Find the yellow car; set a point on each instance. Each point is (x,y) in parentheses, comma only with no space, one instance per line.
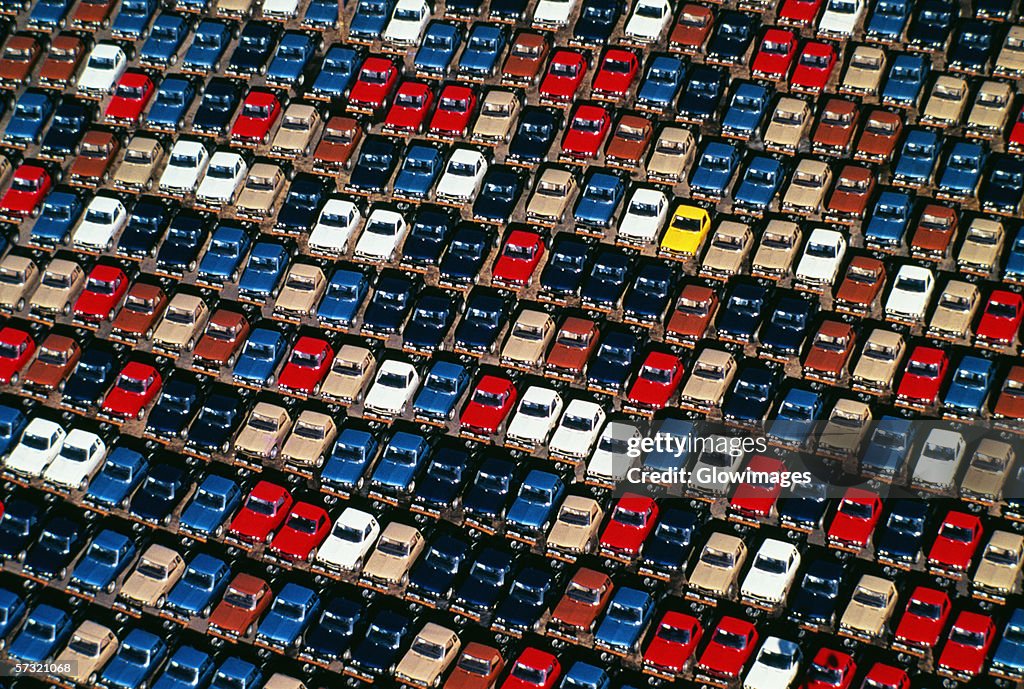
(686,232)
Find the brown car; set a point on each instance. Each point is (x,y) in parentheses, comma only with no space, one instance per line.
(143,307)
(62,63)
(224,334)
(574,343)
(19,57)
(849,200)
(877,142)
(837,123)
(244,602)
(934,233)
(91,167)
(692,29)
(1010,403)
(55,360)
(865,278)
(334,152)
(692,316)
(526,58)
(830,351)
(629,142)
(91,15)
(585,598)
(478,667)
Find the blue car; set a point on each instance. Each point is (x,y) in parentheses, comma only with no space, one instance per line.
(292,60)
(470,246)
(322,15)
(235,673)
(71,120)
(585,676)
(787,327)
(255,47)
(186,236)
(609,276)
(602,194)
(402,459)
(91,379)
(431,230)
(445,477)
(222,261)
(535,506)
(888,21)
(815,598)
(962,173)
(205,53)
(435,573)
(746,111)
(188,668)
(889,447)
(1014,271)
(301,207)
(370,18)
(292,611)
(566,266)
(795,418)
(596,22)
(625,621)
(31,114)
(354,451)
(336,72)
(899,540)
(751,396)
(214,502)
(490,490)
(344,295)
(437,49)
(702,94)
(733,34)
(886,228)
(261,354)
(662,83)
(339,625)
(60,214)
(104,560)
(931,24)
(499,194)
(967,395)
(147,223)
(1008,659)
(378,158)
(915,163)
(482,54)
(120,475)
(1003,186)
(173,99)
(649,293)
(529,597)
(433,315)
(973,47)
(442,389)
(12,423)
(166,37)
(758,186)
(420,169)
(534,135)
(49,15)
(132,19)
(12,610)
(215,425)
(905,81)
(381,646)
(199,588)
(45,631)
(482,322)
(615,357)
(714,170)
(217,108)
(666,551)
(267,264)
(391,302)
(741,312)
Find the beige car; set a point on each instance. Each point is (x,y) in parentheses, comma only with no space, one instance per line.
(955,311)
(396,552)
(529,340)
(990,111)
(845,429)
(871,606)
(19,277)
(864,73)
(710,377)
(1010,61)
(777,251)
(499,112)
(552,196)
(264,432)
(946,102)
(279,680)
(806,191)
(299,130)
(156,573)
(879,360)
(142,156)
(262,188)
(998,573)
(987,472)
(90,648)
(58,289)
(351,371)
(576,526)
(672,155)
(982,246)
(717,572)
(304,286)
(234,9)
(432,652)
(730,245)
(311,439)
(182,324)
(789,125)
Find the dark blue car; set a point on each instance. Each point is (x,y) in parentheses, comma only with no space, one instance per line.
(611,364)
(255,47)
(484,318)
(217,108)
(391,303)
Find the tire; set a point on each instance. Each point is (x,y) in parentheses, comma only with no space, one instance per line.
(14,378)
(20,305)
(66,309)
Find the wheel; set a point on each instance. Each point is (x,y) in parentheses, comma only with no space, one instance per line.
(66,309)
(20,305)
(14,378)
(249,630)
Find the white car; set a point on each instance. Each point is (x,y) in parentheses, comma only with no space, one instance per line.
(103,218)
(351,538)
(383,232)
(280,9)
(645,215)
(841,17)
(534,418)
(710,473)
(771,576)
(577,431)
(40,443)
(223,179)
(553,13)
(462,177)
(939,462)
(819,264)
(775,666)
(609,463)
(186,164)
(911,293)
(334,228)
(106,63)
(648,20)
(392,389)
(408,22)
(79,459)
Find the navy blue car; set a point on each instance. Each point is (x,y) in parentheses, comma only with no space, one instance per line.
(378,158)
(566,266)
(484,318)
(216,423)
(535,133)
(256,45)
(470,246)
(436,572)
(391,303)
(611,364)
(217,108)
(609,275)
(431,229)
(148,221)
(88,383)
(186,237)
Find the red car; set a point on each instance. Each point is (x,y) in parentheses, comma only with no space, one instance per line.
(586,133)
(455,108)
(264,511)
(29,186)
(260,111)
(954,546)
(882,676)
(533,668)
(775,56)
(16,350)
(672,646)
(305,529)
(967,646)
(732,644)
(615,74)
(245,600)
(374,85)
(563,78)
(409,110)
(923,621)
(830,670)
(799,13)
(659,379)
(136,386)
(855,520)
(1000,322)
(489,405)
(104,288)
(813,68)
(131,95)
(308,365)
(754,501)
(631,523)
(922,378)
(518,260)
(1015,142)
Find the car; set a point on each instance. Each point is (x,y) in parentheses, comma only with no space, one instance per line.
(673,645)
(59,544)
(217,107)
(714,170)
(905,81)
(441,40)
(388,632)
(262,513)
(951,553)
(967,646)
(378,159)
(998,193)
(603,192)
(209,43)
(289,614)
(211,507)
(45,630)
(139,655)
(245,599)
(104,560)
(731,38)
(745,113)
(31,114)
(729,649)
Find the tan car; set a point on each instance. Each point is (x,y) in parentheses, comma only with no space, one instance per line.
(299,130)
(576,526)
(955,311)
(142,156)
(946,102)
(90,648)
(789,125)
(672,155)
(262,188)
(156,573)
(552,196)
(58,289)
(805,194)
(987,472)
(6,168)
(234,9)
(304,286)
(264,431)
(499,112)
(1010,61)
(311,439)
(717,572)
(990,111)
(871,606)
(777,251)
(529,340)
(998,573)
(182,324)
(710,377)
(879,360)
(396,552)
(351,371)
(432,652)
(845,429)
(730,245)
(982,246)
(864,73)
(19,277)
(279,680)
